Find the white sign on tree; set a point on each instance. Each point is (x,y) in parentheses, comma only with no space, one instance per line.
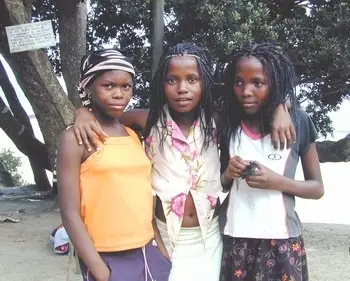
(30,36)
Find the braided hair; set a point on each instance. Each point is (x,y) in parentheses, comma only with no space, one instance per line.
(94,64)
(204,109)
(281,77)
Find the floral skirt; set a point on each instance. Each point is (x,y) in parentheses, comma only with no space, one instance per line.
(263,259)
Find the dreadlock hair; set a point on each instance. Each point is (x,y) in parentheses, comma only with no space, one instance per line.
(281,77)
(158,100)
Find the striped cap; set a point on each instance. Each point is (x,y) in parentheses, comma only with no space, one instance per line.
(101,60)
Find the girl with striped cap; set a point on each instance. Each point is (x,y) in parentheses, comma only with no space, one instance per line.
(106,195)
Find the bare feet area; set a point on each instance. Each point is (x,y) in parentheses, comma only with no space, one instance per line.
(27,255)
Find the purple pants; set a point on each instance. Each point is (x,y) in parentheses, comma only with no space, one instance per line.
(140,264)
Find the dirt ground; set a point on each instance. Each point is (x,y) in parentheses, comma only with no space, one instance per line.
(26,253)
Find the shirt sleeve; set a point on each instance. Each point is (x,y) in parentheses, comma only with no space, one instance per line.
(307,131)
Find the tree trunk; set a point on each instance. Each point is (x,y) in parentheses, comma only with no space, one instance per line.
(39,173)
(334,151)
(72,18)
(22,138)
(34,73)
(28,4)
(157,32)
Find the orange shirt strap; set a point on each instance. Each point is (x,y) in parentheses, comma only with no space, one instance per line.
(133,135)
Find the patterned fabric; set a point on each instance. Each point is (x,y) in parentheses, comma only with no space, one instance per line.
(182,167)
(96,61)
(263,260)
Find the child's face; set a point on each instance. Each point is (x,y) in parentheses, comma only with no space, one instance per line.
(250,85)
(182,84)
(111,92)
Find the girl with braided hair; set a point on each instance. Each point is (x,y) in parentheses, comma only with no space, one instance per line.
(181,140)
(105,196)
(262,232)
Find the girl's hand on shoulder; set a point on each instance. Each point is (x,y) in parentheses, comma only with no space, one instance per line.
(264,178)
(87,129)
(282,128)
(235,168)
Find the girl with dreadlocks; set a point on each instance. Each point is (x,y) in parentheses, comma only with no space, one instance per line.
(181,142)
(106,196)
(262,232)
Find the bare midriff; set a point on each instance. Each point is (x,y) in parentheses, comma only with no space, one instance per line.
(190,218)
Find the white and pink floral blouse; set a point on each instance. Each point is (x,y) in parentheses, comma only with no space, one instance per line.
(183,167)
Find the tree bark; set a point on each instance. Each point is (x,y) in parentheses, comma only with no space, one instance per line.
(72,18)
(22,193)
(34,73)
(22,138)
(18,111)
(28,4)
(334,151)
(157,32)
(40,177)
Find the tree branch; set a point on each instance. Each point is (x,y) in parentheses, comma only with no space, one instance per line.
(22,138)
(18,111)
(334,151)
(336,91)
(12,99)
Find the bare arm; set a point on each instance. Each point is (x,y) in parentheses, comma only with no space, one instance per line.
(135,117)
(87,129)
(68,168)
(282,128)
(312,187)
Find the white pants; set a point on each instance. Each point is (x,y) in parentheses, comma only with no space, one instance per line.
(190,259)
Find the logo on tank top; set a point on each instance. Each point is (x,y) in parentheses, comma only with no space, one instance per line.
(274,156)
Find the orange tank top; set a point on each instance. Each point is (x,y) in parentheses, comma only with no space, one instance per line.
(116,195)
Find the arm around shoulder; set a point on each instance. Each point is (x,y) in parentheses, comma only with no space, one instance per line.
(135,118)
(282,127)
(87,129)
